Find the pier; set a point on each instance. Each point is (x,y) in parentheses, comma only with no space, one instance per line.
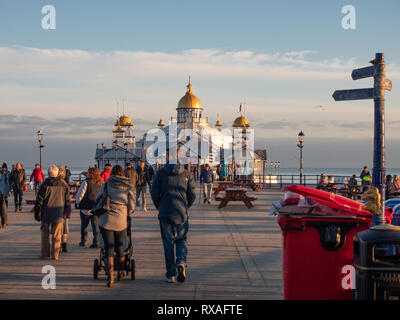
(234,254)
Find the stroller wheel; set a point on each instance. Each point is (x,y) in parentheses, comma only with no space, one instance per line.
(96,268)
(133,269)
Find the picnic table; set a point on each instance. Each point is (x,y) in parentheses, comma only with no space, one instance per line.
(248,183)
(222,185)
(235,194)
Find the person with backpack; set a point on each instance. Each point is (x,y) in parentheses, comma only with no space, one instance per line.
(173,194)
(85,200)
(5,182)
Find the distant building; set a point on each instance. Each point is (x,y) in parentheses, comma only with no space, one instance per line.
(216,141)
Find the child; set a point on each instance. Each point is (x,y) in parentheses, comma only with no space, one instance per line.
(3,212)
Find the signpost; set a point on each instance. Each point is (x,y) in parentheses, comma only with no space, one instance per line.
(377,70)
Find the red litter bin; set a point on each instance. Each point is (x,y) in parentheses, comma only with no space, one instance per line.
(318,250)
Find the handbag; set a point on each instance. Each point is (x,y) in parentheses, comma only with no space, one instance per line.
(102,206)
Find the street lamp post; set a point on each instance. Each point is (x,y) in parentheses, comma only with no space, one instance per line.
(301,146)
(41,146)
(116,146)
(126,150)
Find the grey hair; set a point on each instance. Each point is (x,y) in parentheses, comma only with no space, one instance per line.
(53,171)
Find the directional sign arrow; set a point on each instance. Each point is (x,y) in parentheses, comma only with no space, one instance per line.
(388,84)
(354,94)
(362,73)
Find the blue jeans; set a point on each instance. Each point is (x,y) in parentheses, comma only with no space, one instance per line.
(85,219)
(141,191)
(18,195)
(174,237)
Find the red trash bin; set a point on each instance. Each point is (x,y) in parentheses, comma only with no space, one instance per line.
(316,248)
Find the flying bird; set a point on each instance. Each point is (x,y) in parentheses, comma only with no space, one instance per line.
(322,108)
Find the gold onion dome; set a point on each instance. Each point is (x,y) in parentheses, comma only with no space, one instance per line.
(118,129)
(124,121)
(241,122)
(218,123)
(161,123)
(189,100)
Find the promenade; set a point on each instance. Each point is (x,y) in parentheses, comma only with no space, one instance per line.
(234,253)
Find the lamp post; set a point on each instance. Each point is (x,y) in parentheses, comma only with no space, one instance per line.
(279,167)
(116,146)
(301,146)
(126,149)
(41,146)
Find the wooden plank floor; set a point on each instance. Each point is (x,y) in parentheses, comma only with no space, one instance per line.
(234,253)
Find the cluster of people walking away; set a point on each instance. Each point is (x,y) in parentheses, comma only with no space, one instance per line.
(171,190)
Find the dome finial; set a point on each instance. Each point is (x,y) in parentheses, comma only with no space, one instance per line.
(189,86)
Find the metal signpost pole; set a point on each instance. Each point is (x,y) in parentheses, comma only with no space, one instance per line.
(377,70)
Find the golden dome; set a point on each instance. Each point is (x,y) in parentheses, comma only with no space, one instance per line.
(161,123)
(118,129)
(124,121)
(189,100)
(241,122)
(218,123)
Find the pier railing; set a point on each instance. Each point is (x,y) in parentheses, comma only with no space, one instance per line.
(282,180)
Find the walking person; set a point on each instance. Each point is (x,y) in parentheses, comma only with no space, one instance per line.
(38,177)
(17,181)
(207,179)
(141,185)
(173,194)
(66,214)
(5,182)
(85,200)
(114,223)
(131,173)
(51,202)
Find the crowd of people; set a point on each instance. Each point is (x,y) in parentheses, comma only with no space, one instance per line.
(171,190)
(392,186)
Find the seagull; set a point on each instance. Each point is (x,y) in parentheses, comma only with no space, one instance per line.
(322,108)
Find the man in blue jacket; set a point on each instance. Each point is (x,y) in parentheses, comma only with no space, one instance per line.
(173,194)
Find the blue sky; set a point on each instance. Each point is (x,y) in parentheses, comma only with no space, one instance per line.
(283,58)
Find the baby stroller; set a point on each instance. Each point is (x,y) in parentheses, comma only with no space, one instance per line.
(129,263)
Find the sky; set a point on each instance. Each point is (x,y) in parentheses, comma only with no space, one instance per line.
(283,59)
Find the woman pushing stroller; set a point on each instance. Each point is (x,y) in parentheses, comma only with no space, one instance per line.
(114,223)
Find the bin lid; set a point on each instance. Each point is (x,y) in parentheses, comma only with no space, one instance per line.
(343,204)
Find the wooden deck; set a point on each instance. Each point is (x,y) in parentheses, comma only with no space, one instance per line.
(234,253)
